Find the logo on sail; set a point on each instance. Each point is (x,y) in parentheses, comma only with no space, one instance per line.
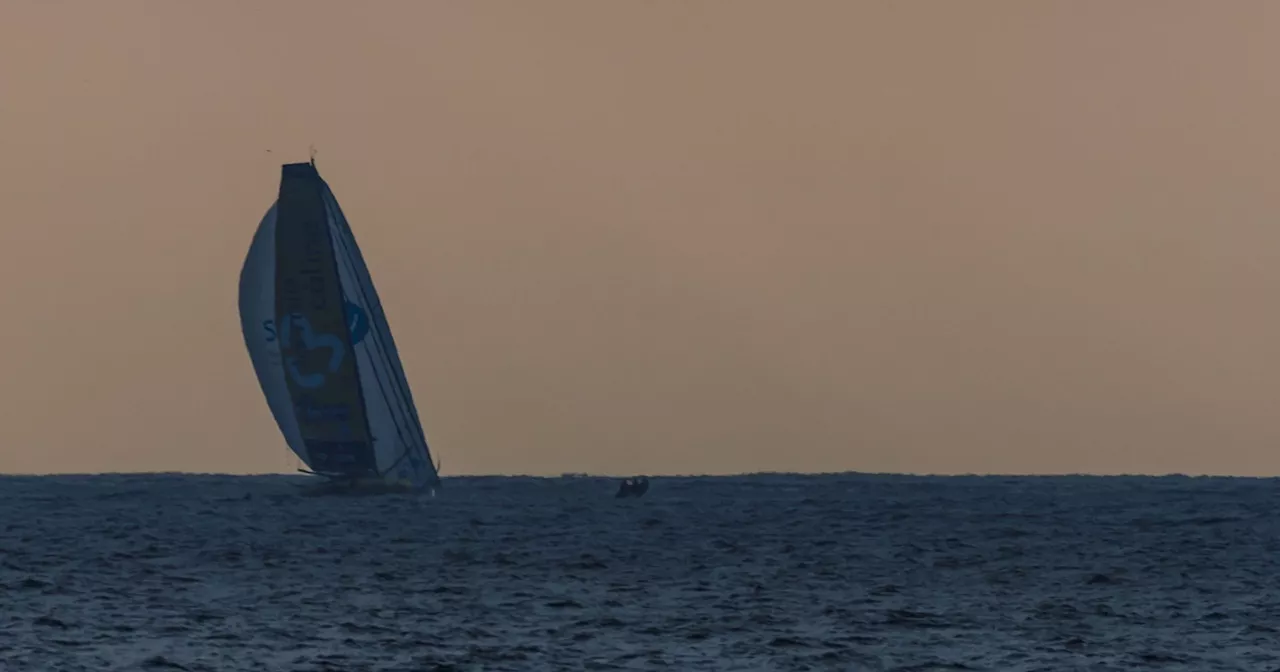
(302,343)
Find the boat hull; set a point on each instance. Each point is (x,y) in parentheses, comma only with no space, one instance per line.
(321,487)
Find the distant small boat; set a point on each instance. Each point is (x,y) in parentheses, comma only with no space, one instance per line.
(633,487)
(322,348)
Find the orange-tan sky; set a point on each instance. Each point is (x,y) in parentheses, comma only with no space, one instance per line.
(662,237)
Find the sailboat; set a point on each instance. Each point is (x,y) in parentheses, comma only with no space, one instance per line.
(321,347)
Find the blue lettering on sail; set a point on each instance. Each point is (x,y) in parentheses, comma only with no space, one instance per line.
(313,411)
(298,338)
(357,322)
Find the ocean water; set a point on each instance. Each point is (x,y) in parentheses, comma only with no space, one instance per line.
(773,572)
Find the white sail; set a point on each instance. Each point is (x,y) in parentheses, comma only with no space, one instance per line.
(398,438)
(257,323)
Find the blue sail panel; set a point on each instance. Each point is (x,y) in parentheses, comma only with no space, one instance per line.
(319,364)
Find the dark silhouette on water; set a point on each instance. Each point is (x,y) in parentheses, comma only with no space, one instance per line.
(633,487)
(308,311)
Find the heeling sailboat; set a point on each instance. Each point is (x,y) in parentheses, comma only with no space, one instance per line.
(321,346)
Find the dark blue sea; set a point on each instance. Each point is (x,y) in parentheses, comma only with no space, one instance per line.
(769,572)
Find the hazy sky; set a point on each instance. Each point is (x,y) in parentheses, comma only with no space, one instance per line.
(664,237)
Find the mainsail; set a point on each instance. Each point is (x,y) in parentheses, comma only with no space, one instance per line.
(320,342)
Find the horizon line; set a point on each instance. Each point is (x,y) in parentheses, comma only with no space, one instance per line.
(565,475)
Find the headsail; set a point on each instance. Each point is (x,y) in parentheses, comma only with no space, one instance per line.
(320,342)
